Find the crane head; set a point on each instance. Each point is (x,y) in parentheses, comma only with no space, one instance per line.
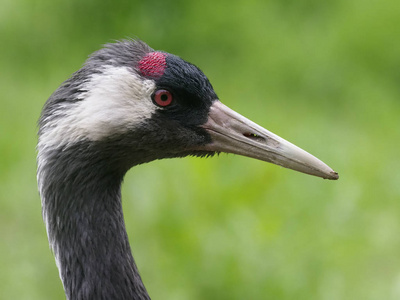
(135,105)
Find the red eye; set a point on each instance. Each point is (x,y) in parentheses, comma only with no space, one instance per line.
(163,98)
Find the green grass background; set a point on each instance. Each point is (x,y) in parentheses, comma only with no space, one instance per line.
(323,74)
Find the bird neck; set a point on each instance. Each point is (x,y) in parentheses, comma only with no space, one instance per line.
(85,225)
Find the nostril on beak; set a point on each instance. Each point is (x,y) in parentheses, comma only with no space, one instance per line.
(254,136)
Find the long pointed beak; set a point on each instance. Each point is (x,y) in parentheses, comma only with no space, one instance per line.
(232,133)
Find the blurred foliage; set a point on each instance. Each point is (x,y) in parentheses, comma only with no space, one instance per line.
(323,74)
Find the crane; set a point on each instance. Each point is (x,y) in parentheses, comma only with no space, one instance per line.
(126,106)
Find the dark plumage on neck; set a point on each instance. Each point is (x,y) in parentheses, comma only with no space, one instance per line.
(83,213)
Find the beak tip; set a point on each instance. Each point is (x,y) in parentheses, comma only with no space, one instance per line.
(332,176)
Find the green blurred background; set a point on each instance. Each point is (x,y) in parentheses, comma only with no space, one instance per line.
(323,74)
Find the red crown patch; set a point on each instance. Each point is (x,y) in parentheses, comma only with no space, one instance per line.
(153,64)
